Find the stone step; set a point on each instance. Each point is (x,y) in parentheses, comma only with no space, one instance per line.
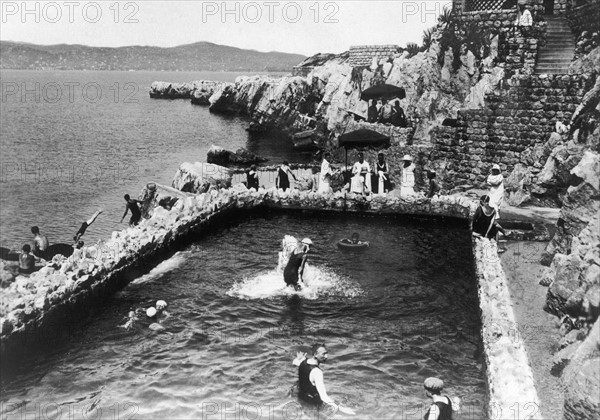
(552,66)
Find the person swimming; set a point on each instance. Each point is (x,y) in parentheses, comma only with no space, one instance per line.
(353,242)
(295,266)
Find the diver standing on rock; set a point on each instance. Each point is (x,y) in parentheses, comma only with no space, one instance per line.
(136,214)
(295,267)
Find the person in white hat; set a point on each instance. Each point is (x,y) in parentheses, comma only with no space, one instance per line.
(496,182)
(294,268)
(442,406)
(407,182)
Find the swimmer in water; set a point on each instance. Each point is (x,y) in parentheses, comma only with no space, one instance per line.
(311,383)
(154,312)
(294,269)
(442,406)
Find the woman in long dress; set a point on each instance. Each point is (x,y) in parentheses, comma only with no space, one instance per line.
(325,177)
(407,184)
(361,181)
(382,176)
(496,182)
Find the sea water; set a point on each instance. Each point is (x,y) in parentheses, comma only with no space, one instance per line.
(391,316)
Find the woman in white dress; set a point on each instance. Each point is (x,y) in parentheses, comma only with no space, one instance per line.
(325,177)
(407,184)
(361,180)
(496,182)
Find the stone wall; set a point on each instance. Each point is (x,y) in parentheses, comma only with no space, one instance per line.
(521,114)
(517,48)
(362,55)
(585,22)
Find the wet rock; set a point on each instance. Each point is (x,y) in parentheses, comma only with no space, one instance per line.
(582,379)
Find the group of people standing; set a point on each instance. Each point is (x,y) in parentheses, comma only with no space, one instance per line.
(382,111)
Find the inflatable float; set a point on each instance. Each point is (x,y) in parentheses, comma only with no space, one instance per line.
(347,244)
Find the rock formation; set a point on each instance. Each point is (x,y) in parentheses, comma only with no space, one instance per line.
(240,157)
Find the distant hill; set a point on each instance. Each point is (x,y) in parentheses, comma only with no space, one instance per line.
(203,56)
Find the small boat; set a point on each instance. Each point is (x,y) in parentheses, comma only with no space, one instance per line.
(351,246)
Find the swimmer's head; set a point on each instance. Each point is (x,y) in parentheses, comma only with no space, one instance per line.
(126,197)
(26,248)
(434,385)
(160,305)
(307,242)
(485,199)
(35,230)
(151,312)
(355,237)
(319,352)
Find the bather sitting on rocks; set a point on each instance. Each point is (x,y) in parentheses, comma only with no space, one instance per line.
(27,260)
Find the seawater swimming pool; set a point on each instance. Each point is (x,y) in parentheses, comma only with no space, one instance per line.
(403,310)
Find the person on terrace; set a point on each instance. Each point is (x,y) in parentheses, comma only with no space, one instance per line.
(373,112)
(326,172)
(382,176)
(252,178)
(398,116)
(407,184)
(385,113)
(361,180)
(283,180)
(524,19)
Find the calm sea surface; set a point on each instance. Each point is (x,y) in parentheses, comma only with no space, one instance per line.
(399,312)
(77,141)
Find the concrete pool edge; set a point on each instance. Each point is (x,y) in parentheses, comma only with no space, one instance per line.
(78,284)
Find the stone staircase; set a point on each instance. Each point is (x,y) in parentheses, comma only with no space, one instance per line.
(556,56)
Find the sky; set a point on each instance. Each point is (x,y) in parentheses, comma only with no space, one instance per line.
(303,27)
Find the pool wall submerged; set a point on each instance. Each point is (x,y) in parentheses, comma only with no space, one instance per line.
(50,305)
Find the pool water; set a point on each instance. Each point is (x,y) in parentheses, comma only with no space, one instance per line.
(401,311)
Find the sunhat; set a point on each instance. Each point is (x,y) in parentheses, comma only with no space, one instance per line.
(150,312)
(307,241)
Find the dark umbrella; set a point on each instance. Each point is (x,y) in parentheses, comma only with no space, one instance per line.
(383,91)
(363,139)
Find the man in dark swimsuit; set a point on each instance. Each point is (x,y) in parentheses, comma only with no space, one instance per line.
(136,214)
(441,407)
(311,384)
(295,267)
